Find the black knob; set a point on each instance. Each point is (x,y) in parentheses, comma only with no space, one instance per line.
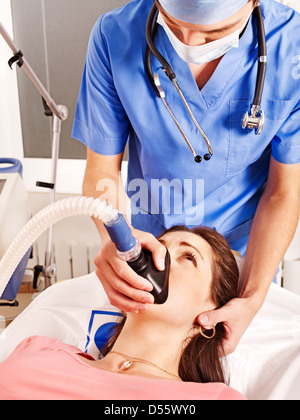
(38,269)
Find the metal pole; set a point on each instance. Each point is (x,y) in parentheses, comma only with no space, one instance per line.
(50,269)
(33,77)
(59,113)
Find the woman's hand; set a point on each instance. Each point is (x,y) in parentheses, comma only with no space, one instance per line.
(236,316)
(125,289)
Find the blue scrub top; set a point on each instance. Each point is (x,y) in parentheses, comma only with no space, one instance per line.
(117,104)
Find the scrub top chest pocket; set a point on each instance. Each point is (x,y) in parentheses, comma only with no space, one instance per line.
(245,147)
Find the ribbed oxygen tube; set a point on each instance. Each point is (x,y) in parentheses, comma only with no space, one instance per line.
(77,206)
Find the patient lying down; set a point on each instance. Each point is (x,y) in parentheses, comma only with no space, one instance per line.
(158,354)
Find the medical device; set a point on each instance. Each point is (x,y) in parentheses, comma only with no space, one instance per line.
(14,214)
(140,260)
(59,114)
(128,247)
(255,120)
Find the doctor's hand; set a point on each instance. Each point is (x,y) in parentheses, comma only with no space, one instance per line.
(125,289)
(236,316)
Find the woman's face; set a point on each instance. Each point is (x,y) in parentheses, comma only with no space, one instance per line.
(190,278)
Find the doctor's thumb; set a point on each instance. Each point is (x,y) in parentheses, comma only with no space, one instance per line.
(159,257)
(150,242)
(210,319)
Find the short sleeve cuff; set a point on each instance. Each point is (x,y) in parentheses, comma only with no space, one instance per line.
(96,142)
(288,155)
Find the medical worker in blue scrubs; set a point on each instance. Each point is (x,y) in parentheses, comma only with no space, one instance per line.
(249,190)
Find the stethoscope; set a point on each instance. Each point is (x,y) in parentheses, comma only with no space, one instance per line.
(254,120)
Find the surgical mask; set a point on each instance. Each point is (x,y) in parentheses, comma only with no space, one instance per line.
(205,53)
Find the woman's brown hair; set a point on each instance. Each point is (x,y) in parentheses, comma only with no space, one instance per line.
(201,358)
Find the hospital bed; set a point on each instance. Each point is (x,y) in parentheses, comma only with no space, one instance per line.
(265,366)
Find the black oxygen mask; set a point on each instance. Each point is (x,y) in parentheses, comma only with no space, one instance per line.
(140,260)
(145,267)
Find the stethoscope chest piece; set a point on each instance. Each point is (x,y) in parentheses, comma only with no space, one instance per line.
(254,121)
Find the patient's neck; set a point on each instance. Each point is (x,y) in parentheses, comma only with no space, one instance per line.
(150,341)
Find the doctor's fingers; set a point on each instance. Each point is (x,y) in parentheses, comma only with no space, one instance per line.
(122,285)
(117,270)
(233,312)
(120,300)
(149,242)
(212,318)
(235,319)
(111,266)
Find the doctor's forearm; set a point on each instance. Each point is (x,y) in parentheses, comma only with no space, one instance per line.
(90,190)
(102,180)
(273,229)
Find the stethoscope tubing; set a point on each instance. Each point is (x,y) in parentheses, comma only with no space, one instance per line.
(262,56)
(151,30)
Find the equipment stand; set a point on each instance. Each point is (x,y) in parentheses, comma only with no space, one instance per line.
(59,114)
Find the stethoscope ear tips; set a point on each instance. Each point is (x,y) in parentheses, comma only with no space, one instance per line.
(198,159)
(207,157)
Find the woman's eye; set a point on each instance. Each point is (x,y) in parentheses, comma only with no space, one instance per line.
(189,256)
